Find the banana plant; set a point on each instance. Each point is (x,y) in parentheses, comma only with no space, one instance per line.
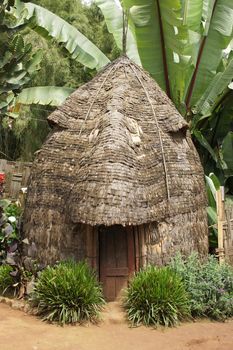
(18,64)
(187,47)
(43,95)
(49,25)
(214,139)
(17,61)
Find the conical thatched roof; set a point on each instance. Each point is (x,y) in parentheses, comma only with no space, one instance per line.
(120,153)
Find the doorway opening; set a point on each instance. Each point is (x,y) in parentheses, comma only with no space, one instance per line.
(116,259)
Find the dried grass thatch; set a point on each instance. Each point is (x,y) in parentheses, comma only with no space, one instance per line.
(119,153)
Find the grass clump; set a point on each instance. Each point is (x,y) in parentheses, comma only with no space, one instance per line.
(68,293)
(6,279)
(210,286)
(156,296)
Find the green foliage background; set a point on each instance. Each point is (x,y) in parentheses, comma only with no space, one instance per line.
(57,68)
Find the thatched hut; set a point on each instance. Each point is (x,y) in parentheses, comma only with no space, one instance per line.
(118,181)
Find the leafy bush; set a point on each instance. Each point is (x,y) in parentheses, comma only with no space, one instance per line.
(156,297)
(68,293)
(6,279)
(11,244)
(9,230)
(209,285)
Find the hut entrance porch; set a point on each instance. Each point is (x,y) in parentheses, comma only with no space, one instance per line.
(116,259)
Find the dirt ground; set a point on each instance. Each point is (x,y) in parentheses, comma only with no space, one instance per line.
(24,332)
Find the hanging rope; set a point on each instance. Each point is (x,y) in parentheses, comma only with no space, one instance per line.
(159,131)
(124,32)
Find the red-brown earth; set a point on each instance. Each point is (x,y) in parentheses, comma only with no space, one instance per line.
(20,331)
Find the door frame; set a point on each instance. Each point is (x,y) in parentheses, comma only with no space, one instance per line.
(131,250)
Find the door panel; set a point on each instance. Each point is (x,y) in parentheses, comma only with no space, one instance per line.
(116,261)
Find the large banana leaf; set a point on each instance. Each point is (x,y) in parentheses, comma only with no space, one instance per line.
(227,151)
(219,36)
(225,116)
(167,46)
(212,186)
(202,140)
(192,14)
(145,25)
(44,95)
(50,25)
(208,7)
(113,15)
(215,91)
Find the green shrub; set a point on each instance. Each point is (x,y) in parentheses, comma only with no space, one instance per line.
(6,279)
(9,230)
(209,285)
(68,293)
(156,297)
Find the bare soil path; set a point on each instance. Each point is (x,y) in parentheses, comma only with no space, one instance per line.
(20,331)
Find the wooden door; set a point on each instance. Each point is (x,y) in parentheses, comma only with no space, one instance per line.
(117,259)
